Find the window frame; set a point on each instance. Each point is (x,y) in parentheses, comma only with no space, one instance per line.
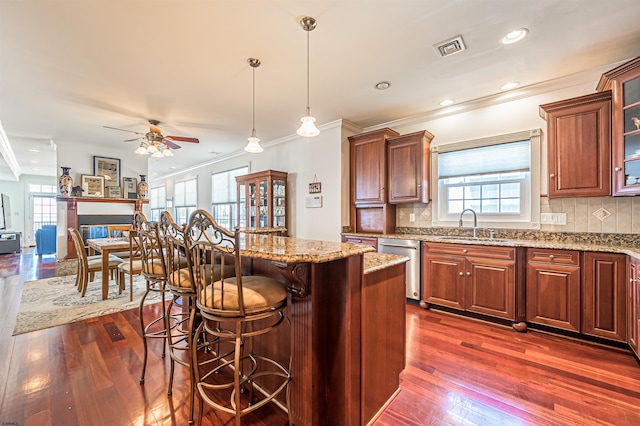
(530,199)
(232,205)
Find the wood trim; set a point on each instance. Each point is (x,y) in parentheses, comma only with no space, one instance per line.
(606,80)
(545,109)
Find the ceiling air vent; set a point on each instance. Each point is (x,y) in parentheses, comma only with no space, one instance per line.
(450,46)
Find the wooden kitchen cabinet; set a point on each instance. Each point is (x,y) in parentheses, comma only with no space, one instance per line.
(624,82)
(409,159)
(262,200)
(370,210)
(553,288)
(579,140)
(633,306)
(363,241)
(604,302)
(473,278)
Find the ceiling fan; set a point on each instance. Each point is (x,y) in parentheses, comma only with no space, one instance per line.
(154,143)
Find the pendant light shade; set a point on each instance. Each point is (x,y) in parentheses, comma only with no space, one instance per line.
(142,149)
(308,128)
(253,145)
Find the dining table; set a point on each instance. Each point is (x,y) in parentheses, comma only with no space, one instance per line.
(107,246)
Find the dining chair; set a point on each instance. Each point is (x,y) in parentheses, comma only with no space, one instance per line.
(153,271)
(115,231)
(88,265)
(132,265)
(247,306)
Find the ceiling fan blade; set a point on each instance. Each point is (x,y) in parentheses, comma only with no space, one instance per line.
(182,139)
(131,140)
(123,130)
(170,144)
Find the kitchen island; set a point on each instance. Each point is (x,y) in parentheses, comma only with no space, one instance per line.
(347,333)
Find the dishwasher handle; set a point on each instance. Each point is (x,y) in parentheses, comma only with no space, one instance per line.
(397,245)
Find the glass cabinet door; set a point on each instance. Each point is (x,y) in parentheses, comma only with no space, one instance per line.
(631,135)
(242,206)
(264,204)
(279,204)
(252,204)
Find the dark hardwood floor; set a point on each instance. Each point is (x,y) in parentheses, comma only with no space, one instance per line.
(459,372)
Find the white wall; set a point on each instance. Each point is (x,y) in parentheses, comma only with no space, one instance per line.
(302,159)
(18,193)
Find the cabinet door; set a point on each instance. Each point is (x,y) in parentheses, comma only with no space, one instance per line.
(633,304)
(490,287)
(626,127)
(553,290)
(604,302)
(443,280)
(368,156)
(408,158)
(579,136)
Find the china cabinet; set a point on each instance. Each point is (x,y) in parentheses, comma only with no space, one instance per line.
(262,200)
(624,82)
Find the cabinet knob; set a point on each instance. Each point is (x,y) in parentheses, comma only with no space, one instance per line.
(551,257)
(617,169)
(465,250)
(552,175)
(461,273)
(468,274)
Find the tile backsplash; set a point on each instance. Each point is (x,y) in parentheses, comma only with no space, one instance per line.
(613,215)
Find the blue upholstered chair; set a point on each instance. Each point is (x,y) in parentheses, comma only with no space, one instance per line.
(46,239)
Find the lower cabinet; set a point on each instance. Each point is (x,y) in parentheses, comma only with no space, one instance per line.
(577,291)
(633,306)
(604,298)
(553,288)
(478,279)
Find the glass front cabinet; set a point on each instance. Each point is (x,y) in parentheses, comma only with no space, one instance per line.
(262,200)
(624,82)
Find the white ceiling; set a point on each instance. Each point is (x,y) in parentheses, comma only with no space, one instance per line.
(68,68)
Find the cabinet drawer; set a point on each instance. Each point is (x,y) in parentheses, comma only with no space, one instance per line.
(556,257)
(468,250)
(363,241)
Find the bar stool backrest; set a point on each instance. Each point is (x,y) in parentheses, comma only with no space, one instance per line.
(150,248)
(177,263)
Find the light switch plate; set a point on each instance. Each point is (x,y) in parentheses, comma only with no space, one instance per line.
(412,217)
(312,201)
(553,218)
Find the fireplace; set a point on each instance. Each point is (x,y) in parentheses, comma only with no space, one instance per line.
(85,212)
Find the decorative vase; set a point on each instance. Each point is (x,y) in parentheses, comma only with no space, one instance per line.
(143,188)
(65,182)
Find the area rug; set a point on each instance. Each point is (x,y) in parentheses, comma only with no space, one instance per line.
(56,301)
(67,267)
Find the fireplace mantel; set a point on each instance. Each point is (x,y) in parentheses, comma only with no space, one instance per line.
(69,208)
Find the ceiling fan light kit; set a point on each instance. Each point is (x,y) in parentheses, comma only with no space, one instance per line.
(308,128)
(253,144)
(154,143)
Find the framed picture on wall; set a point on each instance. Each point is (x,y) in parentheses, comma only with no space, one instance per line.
(129,187)
(109,168)
(93,186)
(113,191)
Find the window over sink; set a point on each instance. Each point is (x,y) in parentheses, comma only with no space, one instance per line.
(497,177)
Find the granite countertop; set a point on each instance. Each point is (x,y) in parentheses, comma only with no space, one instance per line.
(376,261)
(539,240)
(292,250)
(263,230)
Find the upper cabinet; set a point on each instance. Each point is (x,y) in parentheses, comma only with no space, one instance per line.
(408,160)
(624,82)
(579,137)
(262,200)
(368,153)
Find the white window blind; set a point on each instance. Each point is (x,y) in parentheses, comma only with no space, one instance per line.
(158,198)
(186,193)
(224,185)
(501,158)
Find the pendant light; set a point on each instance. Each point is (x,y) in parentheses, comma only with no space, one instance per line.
(253,146)
(308,128)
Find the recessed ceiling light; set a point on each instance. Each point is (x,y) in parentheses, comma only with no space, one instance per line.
(383,85)
(510,85)
(33,150)
(446,102)
(515,36)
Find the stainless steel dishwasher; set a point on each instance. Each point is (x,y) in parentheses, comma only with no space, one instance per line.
(411,249)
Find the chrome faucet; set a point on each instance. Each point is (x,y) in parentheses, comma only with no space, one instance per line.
(475,221)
